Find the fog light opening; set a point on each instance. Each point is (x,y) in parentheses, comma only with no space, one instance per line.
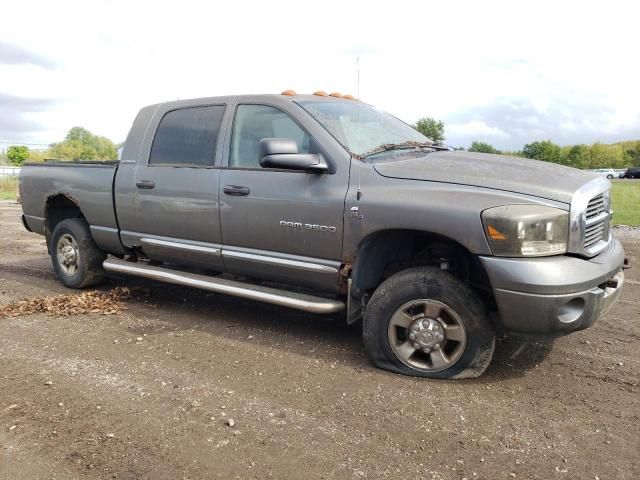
(571,311)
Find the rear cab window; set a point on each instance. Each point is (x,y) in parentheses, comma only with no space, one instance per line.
(187,137)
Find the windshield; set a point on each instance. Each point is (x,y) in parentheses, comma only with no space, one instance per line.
(361,128)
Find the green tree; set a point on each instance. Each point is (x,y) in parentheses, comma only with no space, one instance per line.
(432,128)
(17,154)
(578,156)
(81,144)
(545,150)
(631,153)
(37,155)
(483,147)
(606,156)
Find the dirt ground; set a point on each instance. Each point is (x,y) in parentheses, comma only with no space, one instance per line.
(148,392)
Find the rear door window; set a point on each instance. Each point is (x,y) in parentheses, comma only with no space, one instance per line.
(187,137)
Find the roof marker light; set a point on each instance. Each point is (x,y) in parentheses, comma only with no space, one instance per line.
(289,93)
(335,94)
(320,93)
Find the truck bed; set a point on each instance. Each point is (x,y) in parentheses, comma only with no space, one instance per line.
(88,185)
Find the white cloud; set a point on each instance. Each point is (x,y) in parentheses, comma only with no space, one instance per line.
(476,129)
(464,62)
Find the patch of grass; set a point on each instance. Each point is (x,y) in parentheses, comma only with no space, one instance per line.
(8,187)
(626,202)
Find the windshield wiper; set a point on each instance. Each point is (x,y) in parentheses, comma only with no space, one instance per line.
(385,147)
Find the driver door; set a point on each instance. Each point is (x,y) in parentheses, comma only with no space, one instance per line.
(279,224)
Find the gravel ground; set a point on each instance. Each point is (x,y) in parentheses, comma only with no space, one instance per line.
(187,384)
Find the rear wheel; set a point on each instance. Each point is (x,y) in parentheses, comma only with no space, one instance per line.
(76,258)
(425,322)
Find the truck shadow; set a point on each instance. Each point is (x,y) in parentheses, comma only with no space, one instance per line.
(514,357)
(323,337)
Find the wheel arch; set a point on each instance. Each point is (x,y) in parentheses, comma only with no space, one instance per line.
(59,207)
(385,252)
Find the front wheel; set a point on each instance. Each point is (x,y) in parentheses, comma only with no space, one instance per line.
(425,322)
(609,176)
(76,258)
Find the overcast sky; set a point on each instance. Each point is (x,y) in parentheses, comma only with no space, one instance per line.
(503,72)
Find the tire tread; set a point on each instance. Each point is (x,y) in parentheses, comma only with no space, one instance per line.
(90,271)
(429,282)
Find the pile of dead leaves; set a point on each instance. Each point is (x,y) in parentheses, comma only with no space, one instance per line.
(104,303)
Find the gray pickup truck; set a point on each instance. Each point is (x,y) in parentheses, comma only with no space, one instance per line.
(327,204)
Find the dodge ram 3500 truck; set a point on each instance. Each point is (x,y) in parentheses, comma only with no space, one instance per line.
(327,204)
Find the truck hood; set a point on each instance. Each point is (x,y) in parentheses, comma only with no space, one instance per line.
(501,172)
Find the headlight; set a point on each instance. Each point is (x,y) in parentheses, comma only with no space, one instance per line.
(526,230)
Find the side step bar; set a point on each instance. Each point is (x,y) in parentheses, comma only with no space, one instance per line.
(299,301)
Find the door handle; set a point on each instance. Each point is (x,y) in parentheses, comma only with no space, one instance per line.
(236,190)
(146,184)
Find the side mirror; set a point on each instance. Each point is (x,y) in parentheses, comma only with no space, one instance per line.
(283,153)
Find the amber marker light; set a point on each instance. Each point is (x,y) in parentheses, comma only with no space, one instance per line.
(320,93)
(335,94)
(495,234)
(289,93)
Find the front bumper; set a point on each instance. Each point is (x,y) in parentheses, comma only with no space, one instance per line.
(553,296)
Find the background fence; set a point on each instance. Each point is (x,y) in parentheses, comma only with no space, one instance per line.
(9,171)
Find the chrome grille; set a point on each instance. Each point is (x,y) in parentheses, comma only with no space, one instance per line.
(595,207)
(597,222)
(589,218)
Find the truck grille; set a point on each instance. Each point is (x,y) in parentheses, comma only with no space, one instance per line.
(589,218)
(597,222)
(595,207)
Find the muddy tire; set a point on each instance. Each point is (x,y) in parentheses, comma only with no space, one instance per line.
(76,258)
(425,322)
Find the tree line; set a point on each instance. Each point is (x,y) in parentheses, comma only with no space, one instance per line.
(78,144)
(597,155)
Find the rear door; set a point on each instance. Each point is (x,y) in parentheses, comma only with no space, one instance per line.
(175,199)
(281,224)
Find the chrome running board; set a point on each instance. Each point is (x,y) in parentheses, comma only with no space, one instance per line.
(299,301)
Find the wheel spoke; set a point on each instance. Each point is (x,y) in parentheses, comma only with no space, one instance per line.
(405,351)
(439,359)
(432,310)
(402,319)
(454,333)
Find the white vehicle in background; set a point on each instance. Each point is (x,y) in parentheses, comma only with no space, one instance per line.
(608,173)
